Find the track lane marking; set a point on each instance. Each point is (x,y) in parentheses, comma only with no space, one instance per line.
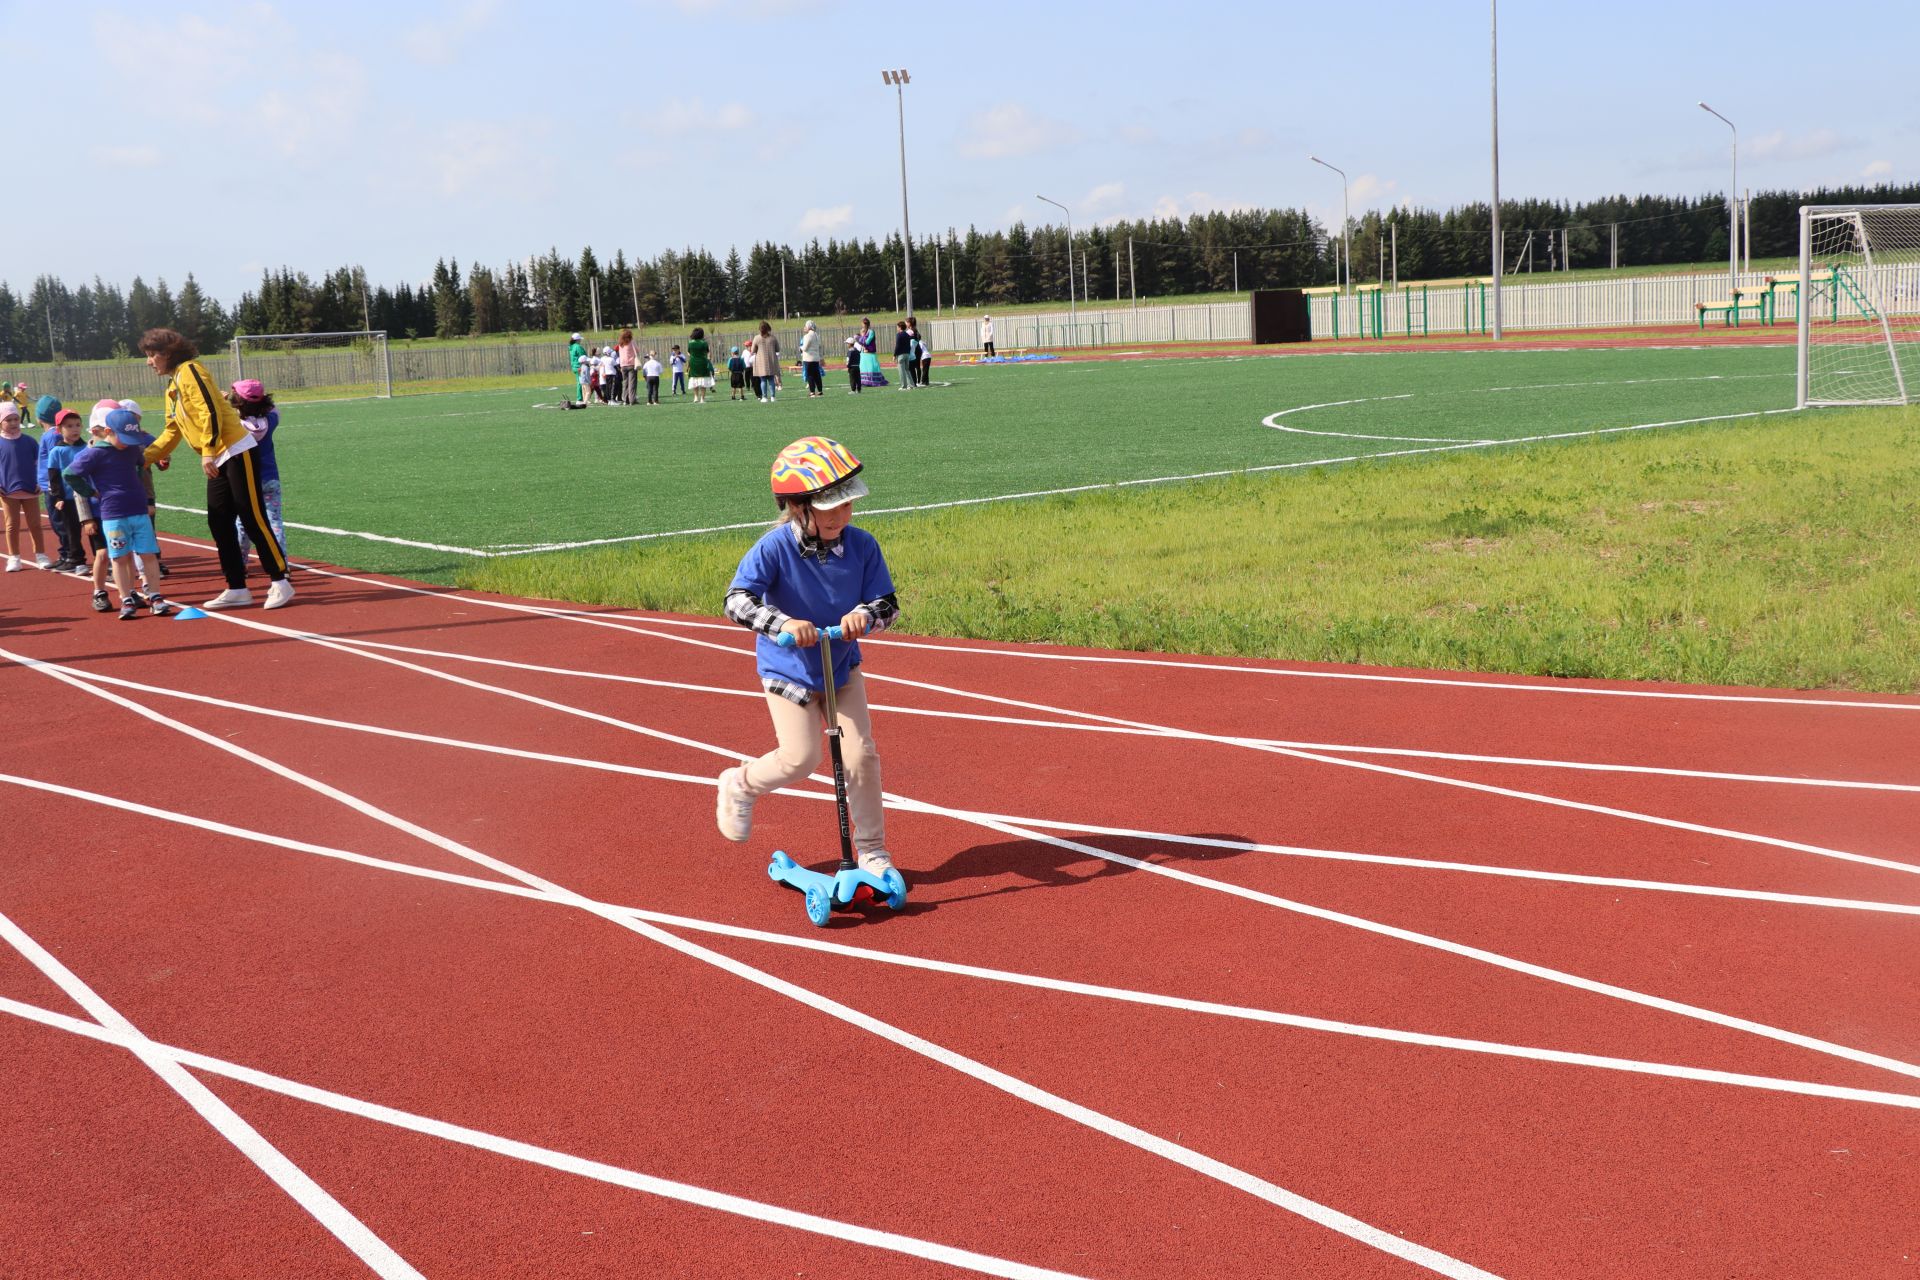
(598,1171)
(1153,1144)
(1482,955)
(108,1021)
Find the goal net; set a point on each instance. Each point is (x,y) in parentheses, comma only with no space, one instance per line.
(1859,323)
(322,366)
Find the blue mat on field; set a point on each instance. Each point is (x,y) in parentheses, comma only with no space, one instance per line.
(1026,359)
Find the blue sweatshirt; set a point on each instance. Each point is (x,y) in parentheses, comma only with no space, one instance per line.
(20,465)
(265,466)
(115,477)
(48,439)
(821,591)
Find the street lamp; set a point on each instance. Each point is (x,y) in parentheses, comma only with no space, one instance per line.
(899,79)
(1346,221)
(1071,317)
(1733,204)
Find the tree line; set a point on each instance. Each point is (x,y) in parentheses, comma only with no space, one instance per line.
(1156,257)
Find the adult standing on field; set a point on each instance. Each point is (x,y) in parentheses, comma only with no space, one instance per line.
(986,336)
(810,361)
(576,353)
(629,367)
(699,366)
(766,363)
(211,426)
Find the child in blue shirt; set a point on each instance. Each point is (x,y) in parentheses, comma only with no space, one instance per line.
(45,410)
(814,569)
(20,488)
(737,370)
(111,467)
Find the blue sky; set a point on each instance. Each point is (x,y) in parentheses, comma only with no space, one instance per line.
(226,137)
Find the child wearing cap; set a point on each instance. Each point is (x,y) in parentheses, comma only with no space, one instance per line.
(651,369)
(20,487)
(576,356)
(251,400)
(153,499)
(112,468)
(853,366)
(678,362)
(74,500)
(45,410)
(813,569)
(737,369)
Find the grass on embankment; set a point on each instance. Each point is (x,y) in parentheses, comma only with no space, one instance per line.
(1782,551)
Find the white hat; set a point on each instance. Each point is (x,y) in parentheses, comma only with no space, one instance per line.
(576,337)
(131,406)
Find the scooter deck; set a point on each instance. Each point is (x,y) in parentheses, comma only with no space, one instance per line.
(839,890)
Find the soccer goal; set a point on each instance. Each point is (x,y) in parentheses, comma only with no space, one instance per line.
(1859,286)
(328,366)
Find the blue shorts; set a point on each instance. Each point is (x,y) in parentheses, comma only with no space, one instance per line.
(129,534)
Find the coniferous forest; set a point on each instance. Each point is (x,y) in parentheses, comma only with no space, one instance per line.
(551,291)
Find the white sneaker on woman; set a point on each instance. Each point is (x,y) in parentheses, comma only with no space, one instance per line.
(876,863)
(280,594)
(13,564)
(41,562)
(231,598)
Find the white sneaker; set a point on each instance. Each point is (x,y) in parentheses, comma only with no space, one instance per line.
(231,598)
(876,863)
(280,594)
(13,564)
(41,562)
(733,808)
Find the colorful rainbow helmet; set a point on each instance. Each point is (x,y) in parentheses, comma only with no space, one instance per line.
(817,471)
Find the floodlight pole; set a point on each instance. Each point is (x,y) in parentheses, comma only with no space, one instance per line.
(1499,253)
(1072,317)
(1733,204)
(1346,220)
(899,79)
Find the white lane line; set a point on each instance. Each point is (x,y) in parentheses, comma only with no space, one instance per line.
(1482,955)
(614,1175)
(348,533)
(288,1176)
(1166,731)
(630,622)
(1065,986)
(1343,748)
(1293,851)
(1153,1144)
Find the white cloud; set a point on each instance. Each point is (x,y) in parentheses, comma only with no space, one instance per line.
(1009,130)
(1371,189)
(1139,135)
(441,40)
(815,222)
(133,157)
(1815,144)
(1878,169)
(1103,197)
(692,115)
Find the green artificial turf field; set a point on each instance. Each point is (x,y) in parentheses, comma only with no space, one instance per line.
(482,474)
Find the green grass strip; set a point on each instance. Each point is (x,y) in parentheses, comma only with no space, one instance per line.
(1781,551)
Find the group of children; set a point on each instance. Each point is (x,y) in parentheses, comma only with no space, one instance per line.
(610,373)
(95,480)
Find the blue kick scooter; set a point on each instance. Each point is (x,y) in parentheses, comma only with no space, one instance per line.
(848,887)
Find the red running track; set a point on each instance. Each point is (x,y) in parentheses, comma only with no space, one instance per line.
(1211,968)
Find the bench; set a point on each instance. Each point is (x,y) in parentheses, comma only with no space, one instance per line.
(1758,301)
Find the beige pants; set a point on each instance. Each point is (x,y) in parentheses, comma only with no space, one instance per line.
(799,732)
(23,522)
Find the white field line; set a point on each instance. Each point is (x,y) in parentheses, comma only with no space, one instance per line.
(1153,1144)
(685,1193)
(1439,446)
(633,623)
(1065,986)
(1164,837)
(108,1022)
(1165,731)
(1344,748)
(1479,954)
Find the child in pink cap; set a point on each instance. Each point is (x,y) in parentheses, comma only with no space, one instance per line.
(261,420)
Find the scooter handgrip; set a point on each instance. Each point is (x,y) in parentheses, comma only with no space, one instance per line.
(786,641)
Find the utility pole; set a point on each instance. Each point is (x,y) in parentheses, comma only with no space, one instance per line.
(1072,318)
(1733,204)
(1499,249)
(1132,291)
(899,80)
(783,284)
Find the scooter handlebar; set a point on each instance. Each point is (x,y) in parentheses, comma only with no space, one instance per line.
(786,641)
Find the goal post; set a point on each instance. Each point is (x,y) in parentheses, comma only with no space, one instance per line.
(351,365)
(1858,325)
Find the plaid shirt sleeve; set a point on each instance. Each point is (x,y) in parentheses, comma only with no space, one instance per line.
(753,613)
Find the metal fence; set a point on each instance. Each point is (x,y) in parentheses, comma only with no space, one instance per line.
(1457,307)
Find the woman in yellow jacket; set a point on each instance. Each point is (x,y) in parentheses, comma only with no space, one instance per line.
(211,426)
